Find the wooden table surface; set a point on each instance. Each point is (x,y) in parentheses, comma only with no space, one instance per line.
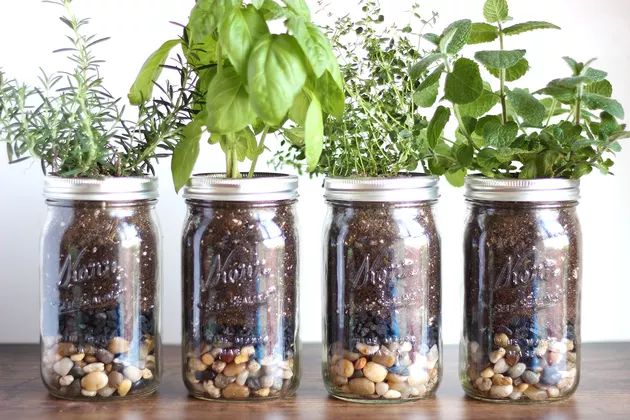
(604,394)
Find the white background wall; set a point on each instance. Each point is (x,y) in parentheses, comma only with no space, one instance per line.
(29,31)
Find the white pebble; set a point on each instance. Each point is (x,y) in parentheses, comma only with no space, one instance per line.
(132,373)
(63,366)
(381,388)
(392,394)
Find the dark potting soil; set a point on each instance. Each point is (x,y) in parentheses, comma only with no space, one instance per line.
(100,271)
(383,275)
(522,277)
(240,277)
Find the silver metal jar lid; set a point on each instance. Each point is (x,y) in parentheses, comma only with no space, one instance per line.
(522,190)
(415,187)
(262,187)
(105,189)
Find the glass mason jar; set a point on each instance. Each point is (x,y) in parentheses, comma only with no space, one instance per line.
(100,288)
(521,337)
(240,279)
(382,316)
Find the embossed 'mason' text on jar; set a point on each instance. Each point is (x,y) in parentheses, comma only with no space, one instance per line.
(240,277)
(382,289)
(521,337)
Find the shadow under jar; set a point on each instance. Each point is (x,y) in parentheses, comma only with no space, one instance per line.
(100,279)
(240,288)
(382,289)
(522,247)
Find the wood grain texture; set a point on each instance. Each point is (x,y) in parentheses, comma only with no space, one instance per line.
(604,394)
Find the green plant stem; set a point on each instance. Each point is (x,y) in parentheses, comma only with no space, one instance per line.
(578,105)
(504,115)
(260,151)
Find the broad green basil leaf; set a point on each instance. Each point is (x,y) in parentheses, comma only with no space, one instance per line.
(314,134)
(464,84)
(496,11)
(227,103)
(299,109)
(185,154)
(315,45)
(201,55)
(258,3)
(299,7)
(276,74)
(519,28)
(295,136)
(437,125)
(205,18)
(142,89)
(331,96)
(500,59)
(527,107)
(482,33)
(238,31)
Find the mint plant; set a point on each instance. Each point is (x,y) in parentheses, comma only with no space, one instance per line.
(75,127)
(565,129)
(251,82)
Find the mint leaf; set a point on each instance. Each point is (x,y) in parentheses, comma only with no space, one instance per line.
(527,107)
(455,36)
(500,59)
(519,28)
(464,84)
(594,75)
(595,101)
(437,125)
(496,11)
(456,179)
(482,33)
(499,135)
(426,97)
(418,69)
(603,88)
(513,73)
(481,106)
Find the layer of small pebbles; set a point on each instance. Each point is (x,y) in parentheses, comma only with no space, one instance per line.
(117,369)
(542,372)
(226,372)
(395,371)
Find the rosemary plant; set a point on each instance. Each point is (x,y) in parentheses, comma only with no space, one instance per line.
(73,124)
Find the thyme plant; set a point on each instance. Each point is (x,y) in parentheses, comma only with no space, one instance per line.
(383,130)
